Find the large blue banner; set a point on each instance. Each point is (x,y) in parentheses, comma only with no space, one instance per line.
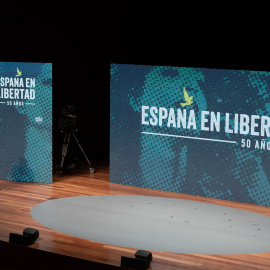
(196,131)
(26,122)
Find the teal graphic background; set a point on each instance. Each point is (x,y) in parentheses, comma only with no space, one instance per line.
(25,143)
(204,168)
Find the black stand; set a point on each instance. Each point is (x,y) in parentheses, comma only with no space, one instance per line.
(66,141)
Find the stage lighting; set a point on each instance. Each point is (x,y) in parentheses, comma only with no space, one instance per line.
(141,261)
(21,239)
(31,232)
(144,255)
(29,236)
(134,263)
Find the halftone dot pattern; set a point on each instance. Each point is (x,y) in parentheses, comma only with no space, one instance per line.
(32,160)
(39,134)
(165,90)
(157,163)
(250,173)
(203,168)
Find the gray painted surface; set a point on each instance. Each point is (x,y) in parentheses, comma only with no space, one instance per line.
(157,224)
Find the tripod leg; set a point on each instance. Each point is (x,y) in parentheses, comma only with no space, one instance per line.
(91,169)
(64,152)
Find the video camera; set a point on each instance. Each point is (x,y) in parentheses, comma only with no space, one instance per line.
(68,121)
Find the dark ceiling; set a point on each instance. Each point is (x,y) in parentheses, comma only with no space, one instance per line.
(82,40)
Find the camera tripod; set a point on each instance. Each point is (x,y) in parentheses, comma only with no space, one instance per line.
(66,141)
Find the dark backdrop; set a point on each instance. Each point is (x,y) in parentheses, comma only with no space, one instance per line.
(82,40)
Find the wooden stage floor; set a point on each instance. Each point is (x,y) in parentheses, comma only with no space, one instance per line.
(17,199)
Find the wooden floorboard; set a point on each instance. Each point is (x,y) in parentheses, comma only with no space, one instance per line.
(17,199)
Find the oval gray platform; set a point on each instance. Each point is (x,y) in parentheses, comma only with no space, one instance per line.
(157,224)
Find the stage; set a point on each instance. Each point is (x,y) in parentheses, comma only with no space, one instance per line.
(19,198)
